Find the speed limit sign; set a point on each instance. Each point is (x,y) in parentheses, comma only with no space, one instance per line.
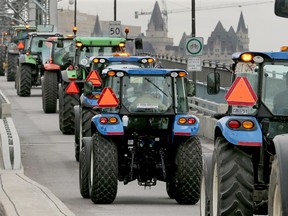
(115,28)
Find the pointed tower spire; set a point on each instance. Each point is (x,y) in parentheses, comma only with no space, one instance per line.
(241,24)
(156,22)
(97,28)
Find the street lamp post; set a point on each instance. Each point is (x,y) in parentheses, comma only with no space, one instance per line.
(193,34)
(115,10)
(75,15)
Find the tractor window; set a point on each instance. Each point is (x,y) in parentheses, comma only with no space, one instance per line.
(149,94)
(275,88)
(181,102)
(34,44)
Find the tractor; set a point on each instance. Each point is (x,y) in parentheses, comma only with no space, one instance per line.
(5,40)
(19,35)
(246,173)
(74,76)
(31,68)
(56,56)
(143,132)
(88,106)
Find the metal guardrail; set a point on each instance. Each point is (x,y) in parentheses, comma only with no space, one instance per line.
(9,139)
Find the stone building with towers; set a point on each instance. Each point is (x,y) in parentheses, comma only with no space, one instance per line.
(220,45)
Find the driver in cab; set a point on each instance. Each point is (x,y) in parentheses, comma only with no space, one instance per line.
(148,100)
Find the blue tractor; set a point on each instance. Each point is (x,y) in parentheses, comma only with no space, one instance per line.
(247,173)
(88,106)
(143,132)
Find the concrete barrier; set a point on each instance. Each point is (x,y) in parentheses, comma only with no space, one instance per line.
(205,110)
(9,139)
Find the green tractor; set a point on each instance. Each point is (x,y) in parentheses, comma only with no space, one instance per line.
(57,55)
(17,46)
(74,76)
(31,69)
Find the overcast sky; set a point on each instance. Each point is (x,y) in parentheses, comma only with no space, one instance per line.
(267,32)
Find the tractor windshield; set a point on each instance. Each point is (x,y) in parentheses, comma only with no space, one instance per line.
(151,94)
(35,43)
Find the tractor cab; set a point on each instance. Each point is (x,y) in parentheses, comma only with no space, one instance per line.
(260,89)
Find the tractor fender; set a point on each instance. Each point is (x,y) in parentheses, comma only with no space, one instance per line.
(89,102)
(281,147)
(185,129)
(51,67)
(64,76)
(27,59)
(67,75)
(243,137)
(108,129)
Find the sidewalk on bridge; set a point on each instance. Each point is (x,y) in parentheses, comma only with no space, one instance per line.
(21,196)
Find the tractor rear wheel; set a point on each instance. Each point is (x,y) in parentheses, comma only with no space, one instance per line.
(104,170)
(12,66)
(188,162)
(205,197)
(232,180)
(77,111)
(24,81)
(2,59)
(87,114)
(68,116)
(49,92)
(84,167)
(275,201)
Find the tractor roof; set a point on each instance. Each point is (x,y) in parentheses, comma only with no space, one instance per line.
(52,34)
(100,41)
(265,55)
(150,71)
(122,58)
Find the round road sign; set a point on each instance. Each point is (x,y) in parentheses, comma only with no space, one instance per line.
(194,46)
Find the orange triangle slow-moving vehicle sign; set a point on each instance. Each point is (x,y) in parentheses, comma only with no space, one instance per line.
(94,77)
(108,98)
(72,88)
(241,93)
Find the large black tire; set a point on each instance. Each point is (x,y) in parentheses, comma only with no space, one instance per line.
(275,200)
(171,187)
(49,92)
(2,59)
(60,104)
(87,114)
(188,173)
(84,167)
(12,66)
(24,81)
(68,116)
(206,185)
(104,171)
(233,180)
(77,131)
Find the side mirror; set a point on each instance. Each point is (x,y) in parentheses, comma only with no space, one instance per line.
(281,8)
(88,88)
(213,83)
(40,43)
(138,43)
(60,44)
(190,90)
